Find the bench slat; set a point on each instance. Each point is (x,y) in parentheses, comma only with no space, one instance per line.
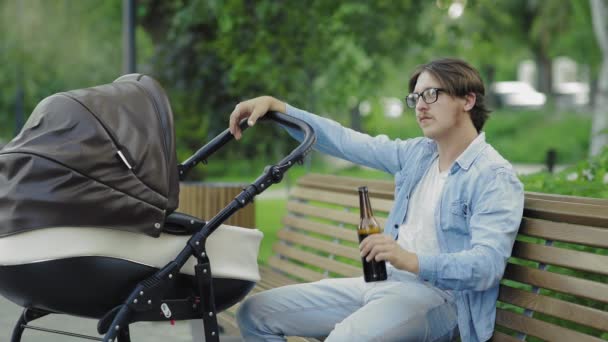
(321,228)
(566,198)
(540,329)
(325,213)
(350,184)
(558,282)
(558,308)
(294,270)
(347,189)
(273,278)
(353,182)
(575,213)
(348,200)
(300,339)
(379,188)
(591,236)
(330,214)
(502,337)
(321,245)
(318,261)
(562,257)
(228,323)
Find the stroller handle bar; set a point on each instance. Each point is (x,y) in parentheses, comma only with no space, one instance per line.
(272,174)
(297,155)
(156,284)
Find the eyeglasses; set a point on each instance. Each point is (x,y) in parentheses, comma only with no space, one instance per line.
(429,96)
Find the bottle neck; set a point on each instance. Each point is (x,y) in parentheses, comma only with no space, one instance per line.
(365,207)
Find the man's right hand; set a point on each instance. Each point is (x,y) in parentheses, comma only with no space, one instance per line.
(253,109)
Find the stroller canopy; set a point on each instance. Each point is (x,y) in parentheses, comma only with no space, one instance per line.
(98,157)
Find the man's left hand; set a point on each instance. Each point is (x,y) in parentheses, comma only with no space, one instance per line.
(383,247)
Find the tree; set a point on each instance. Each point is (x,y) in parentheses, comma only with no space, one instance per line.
(59,45)
(321,55)
(495,34)
(599,126)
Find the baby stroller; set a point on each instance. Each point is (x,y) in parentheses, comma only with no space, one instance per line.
(88,192)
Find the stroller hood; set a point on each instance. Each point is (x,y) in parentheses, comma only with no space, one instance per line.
(98,157)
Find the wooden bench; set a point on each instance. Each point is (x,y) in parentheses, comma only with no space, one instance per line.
(555,286)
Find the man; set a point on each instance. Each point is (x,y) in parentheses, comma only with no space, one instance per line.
(458,206)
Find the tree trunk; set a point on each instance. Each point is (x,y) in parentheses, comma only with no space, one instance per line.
(599,125)
(355,118)
(545,72)
(489,73)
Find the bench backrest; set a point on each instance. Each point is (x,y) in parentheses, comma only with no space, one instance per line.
(558,272)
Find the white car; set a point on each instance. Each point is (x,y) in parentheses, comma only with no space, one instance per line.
(517,94)
(572,93)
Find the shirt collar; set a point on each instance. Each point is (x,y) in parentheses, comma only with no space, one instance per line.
(466,158)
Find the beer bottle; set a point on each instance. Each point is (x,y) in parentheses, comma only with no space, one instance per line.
(372,270)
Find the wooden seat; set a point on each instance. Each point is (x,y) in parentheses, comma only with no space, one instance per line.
(555,287)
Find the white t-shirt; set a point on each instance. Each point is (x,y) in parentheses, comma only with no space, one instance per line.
(417,234)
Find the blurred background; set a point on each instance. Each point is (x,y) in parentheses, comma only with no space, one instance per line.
(544,64)
(349,60)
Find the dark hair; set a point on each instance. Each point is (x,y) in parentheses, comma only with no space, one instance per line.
(458,78)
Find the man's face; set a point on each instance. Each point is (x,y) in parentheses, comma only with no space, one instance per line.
(441,119)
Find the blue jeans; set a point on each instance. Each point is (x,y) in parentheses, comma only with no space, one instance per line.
(401,308)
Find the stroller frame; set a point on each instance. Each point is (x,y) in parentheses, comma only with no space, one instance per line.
(148,296)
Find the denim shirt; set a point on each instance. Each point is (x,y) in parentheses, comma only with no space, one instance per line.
(476,220)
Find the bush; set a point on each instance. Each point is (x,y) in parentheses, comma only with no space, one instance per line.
(588,178)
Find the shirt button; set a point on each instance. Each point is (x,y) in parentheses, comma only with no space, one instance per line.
(396,226)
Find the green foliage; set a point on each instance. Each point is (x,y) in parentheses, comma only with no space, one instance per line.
(57,46)
(587,178)
(520,136)
(525,137)
(322,56)
(489,35)
(317,55)
(492,34)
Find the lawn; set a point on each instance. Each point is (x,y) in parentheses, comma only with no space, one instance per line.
(268,214)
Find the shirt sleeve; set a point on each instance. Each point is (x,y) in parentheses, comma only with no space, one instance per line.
(495,220)
(378,152)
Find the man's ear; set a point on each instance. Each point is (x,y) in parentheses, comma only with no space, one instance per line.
(470,99)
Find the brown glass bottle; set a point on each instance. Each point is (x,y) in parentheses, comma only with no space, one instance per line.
(372,270)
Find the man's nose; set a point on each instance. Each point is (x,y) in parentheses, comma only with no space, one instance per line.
(421,105)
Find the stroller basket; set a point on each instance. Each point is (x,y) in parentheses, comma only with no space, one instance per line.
(88,191)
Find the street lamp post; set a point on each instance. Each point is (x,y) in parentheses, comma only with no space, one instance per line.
(19,93)
(128,36)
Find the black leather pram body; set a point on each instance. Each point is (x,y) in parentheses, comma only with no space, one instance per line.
(88,192)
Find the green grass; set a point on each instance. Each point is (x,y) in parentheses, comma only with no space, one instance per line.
(526,137)
(268,214)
